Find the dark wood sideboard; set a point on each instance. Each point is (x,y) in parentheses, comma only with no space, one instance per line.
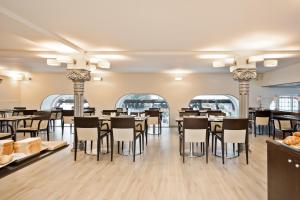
(283,172)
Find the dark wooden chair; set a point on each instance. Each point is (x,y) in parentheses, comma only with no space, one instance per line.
(8,133)
(235,130)
(262,119)
(123,129)
(88,129)
(189,113)
(67,118)
(154,119)
(283,126)
(195,130)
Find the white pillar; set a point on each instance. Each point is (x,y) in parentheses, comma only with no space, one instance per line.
(243,76)
(78,76)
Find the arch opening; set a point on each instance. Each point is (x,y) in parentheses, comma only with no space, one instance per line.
(64,101)
(226,103)
(140,102)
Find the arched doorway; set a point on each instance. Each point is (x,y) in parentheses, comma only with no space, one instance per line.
(226,103)
(141,102)
(64,101)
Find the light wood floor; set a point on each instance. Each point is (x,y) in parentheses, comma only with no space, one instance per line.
(158,174)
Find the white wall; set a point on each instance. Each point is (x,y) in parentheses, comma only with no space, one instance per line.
(290,74)
(105,94)
(9,93)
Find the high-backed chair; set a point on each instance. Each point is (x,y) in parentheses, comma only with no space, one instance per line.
(235,130)
(186,109)
(90,111)
(55,115)
(67,118)
(123,129)
(195,130)
(262,119)
(8,134)
(88,129)
(189,113)
(283,126)
(154,119)
(38,125)
(216,127)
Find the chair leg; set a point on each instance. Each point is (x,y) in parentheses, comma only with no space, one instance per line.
(238,149)
(247,150)
(85,144)
(233,148)
(183,149)
(91,145)
(111,147)
(254,130)
(98,148)
(75,149)
(48,137)
(215,146)
(180,145)
(107,143)
(140,140)
(212,143)
(134,146)
(118,146)
(62,128)
(269,130)
(206,150)
(222,144)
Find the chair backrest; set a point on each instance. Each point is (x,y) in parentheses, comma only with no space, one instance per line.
(262,113)
(189,113)
(86,128)
(67,113)
(20,108)
(89,111)
(122,122)
(283,124)
(195,123)
(235,130)
(108,112)
(29,112)
(262,117)
(215,113)
(195,129)
(123,128)
(186,109)
(152,113)
(119,109)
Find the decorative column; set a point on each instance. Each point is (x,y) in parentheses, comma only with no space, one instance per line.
(243,76)
(78,76)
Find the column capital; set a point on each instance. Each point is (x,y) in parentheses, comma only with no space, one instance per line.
(244,74)
(78,75)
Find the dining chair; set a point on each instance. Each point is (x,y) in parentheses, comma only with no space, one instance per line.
(216,127)
(188,113)
(284,126)
(123,129)
(154,119)
(39,125)
(88,129)
(235,130)
(195,130)
(262,119)
(8,133)
(67,118)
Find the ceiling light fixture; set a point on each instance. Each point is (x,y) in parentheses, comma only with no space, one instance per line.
(257,58)
(65,59)
(219,63)
(271,63)
(178,78)
(53,62)
(104,64)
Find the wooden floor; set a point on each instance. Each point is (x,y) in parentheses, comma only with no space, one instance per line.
(158,174)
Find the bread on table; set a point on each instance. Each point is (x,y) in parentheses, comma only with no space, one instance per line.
(4,159)
(28,146)
(292,140)
(6,147)
(297,134)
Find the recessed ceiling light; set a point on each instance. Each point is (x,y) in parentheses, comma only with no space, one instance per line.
(257,58)
(213,56)
(111,57)
(97,78)
(270,63)
(53,62)
(178,78)
(65,59)
(104,64)
(218,63)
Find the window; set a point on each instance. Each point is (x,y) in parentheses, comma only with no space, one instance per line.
(226,103)
(285,103)
(141,102)
(64,101)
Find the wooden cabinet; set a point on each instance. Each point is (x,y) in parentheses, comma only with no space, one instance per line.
(283,172)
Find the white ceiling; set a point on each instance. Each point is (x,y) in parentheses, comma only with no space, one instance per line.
(151,36)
